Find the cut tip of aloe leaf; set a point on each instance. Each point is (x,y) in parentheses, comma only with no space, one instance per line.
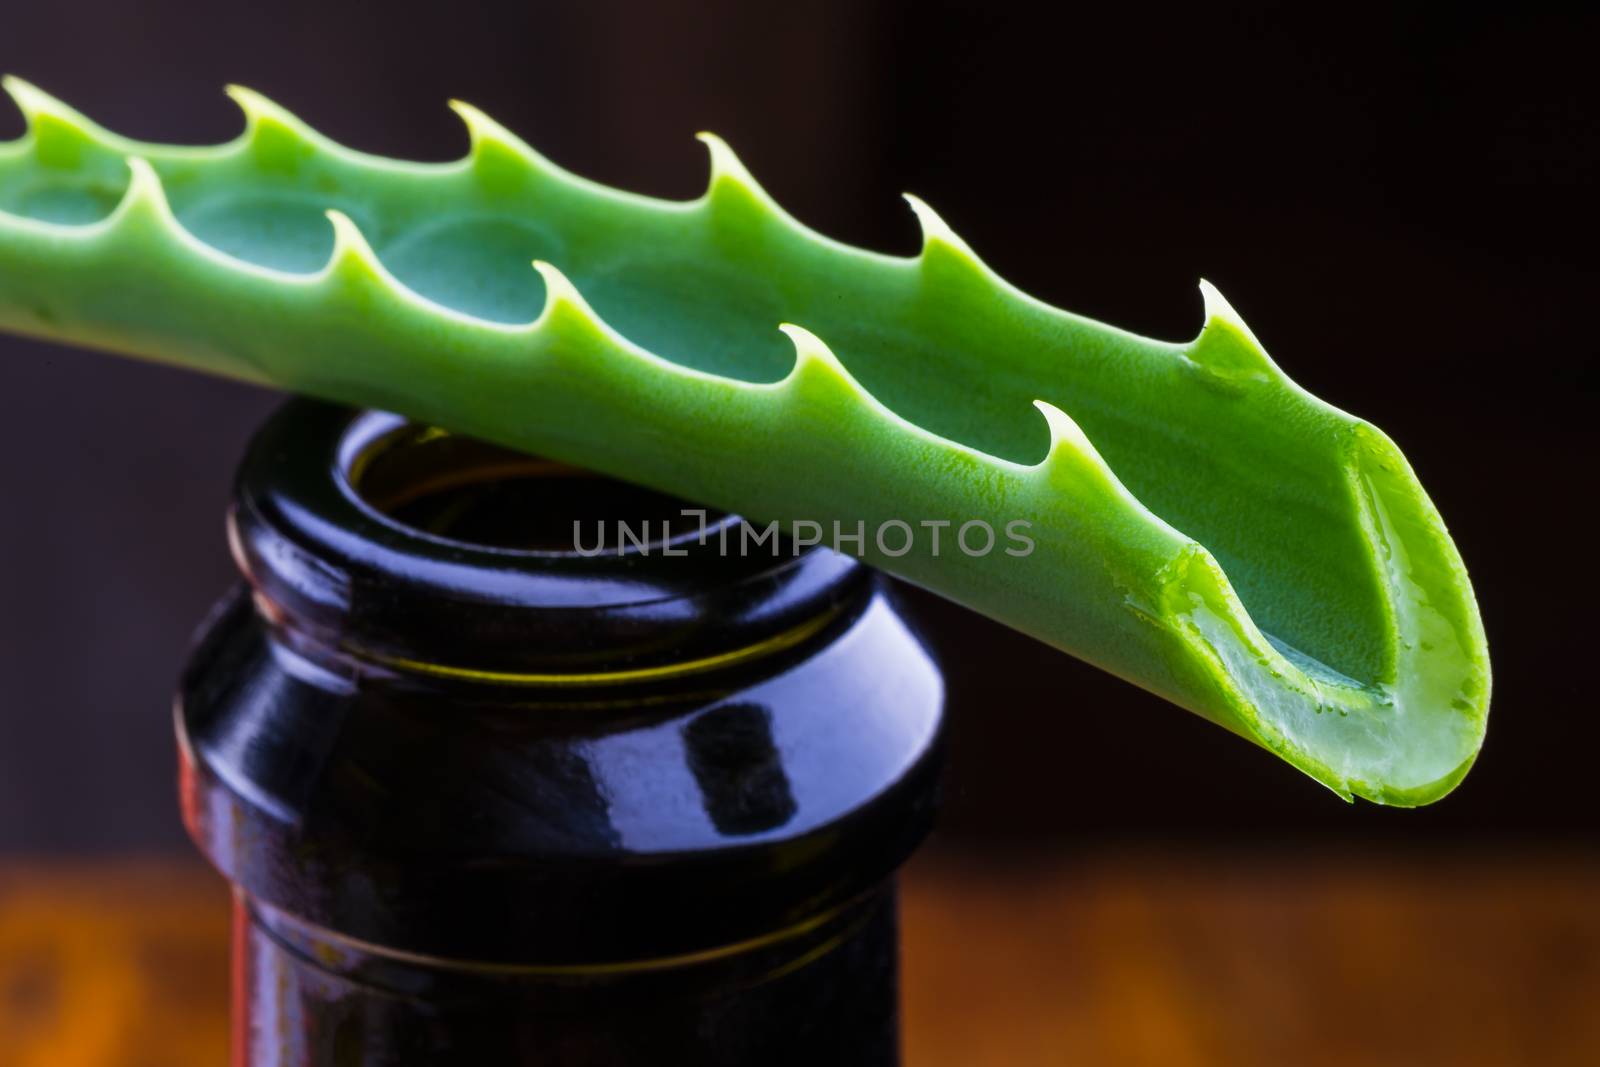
(1179,513)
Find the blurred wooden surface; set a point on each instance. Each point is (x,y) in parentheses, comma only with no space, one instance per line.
(1107,959)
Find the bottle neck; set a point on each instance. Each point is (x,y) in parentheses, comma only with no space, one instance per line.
(823,993)
(484,797)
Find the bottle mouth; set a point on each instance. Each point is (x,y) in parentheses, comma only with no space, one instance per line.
(476,495)
(431,553)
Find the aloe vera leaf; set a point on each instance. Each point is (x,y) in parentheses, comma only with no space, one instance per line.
(1201,526)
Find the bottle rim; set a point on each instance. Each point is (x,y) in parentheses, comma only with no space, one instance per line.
(334,564)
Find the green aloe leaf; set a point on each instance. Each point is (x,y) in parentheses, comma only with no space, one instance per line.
(1201,525)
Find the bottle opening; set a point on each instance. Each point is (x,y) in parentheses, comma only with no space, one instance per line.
(463,490)
(402,544)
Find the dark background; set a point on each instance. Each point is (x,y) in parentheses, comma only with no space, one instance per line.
(1400,202)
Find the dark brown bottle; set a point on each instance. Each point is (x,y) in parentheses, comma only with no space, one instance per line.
(486,800)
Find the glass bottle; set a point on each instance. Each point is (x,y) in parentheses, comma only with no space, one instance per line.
(485,798)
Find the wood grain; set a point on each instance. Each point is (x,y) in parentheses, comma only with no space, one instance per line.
(1136,958)
(1201,960)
